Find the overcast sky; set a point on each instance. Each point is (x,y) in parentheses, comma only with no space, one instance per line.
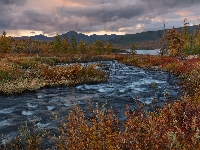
(48,17)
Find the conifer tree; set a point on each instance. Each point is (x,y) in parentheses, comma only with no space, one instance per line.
(108,48)
(73,44)
(65,45)
(5,43)
(57,44)
(185,34)
(87,49)
(29,45)
(98,47)
(163,42)
(81,47)
(133,49)
(197,35)
(195,41)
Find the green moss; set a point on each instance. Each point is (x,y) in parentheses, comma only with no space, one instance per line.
(47,60)
(26,63)
(4,76)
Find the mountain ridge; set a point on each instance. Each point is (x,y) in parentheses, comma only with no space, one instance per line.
(113,38)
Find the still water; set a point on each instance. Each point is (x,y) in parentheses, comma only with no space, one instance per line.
(150,52)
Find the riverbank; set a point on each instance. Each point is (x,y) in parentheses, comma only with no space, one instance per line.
(29,73)
(175,126)
(187,69)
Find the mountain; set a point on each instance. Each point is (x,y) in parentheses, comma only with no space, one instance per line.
(113,38)
(90,39)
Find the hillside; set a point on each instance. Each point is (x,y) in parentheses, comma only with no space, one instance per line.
(143,40)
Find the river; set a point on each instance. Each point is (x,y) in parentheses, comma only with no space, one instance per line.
(124,85)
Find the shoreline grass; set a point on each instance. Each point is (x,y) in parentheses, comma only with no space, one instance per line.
(22,73)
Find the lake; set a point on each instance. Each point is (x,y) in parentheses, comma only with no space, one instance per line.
(150,52)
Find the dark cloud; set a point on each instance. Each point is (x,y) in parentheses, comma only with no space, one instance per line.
(106,12)
(5,5)
(131,11)
(128,16)
(6,16)
(38,16)
(171,3)
(5,22)
(11,2)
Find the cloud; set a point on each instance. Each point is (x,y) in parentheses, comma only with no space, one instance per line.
(129,16)
(169,4)
(105,12)
(100,17)
(11,2)
(93,2)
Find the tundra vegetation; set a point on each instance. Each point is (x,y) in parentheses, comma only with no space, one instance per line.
(173,127)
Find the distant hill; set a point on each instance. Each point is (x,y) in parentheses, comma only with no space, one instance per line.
(149,35)
(90,39)
(118,40)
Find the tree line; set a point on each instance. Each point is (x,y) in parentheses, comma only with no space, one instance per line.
(174,43)
(58,46)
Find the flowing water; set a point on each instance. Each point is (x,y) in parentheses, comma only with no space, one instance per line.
(124,85)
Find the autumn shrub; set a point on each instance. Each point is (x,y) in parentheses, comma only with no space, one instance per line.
(146,60)
(47,60)
(95,130)
(30,137)
(20,73)
(83,58)
(26,63)
(4,75)
(175,126)
(9,70)
(192,82)
(57,73)
(74,73)
(132,60)
(175,67)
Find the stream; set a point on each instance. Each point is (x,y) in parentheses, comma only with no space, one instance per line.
(125,84)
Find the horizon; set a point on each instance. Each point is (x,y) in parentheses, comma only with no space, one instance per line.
(95,33)
(48,17)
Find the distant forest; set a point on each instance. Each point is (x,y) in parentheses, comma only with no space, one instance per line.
(143,40)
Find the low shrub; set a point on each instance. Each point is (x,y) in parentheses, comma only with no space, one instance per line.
(176,126)
(4,76)
(26,63)
(47,60)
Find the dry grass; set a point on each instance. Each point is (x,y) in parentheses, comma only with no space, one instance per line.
(20,73)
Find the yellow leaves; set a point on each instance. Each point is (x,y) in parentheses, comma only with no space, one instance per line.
(175,41)
(87,129)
